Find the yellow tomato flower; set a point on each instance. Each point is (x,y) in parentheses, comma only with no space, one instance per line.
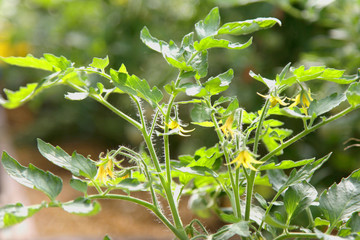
(227,127)
(106,168)
(246,159)
(304,98)
(274,100)
(174,125)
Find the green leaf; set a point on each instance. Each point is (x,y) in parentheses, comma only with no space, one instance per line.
(77,164)
(29,61)
(275,222)
(319,73)
(274,137)
(299,197)
(76,96)
(200,64)
(321,222)
(286,112)
(353,94)
(268,82)
(133,85)
(261,200)
(354,222)
(285,164)
(82,206)
(233,105)
(219,84)
(194,90)
(60,63)
(33,177)
(25,94)
(107,238)
(229,218)
(197,170)
(131,185)
(16,99)
(235,229)
(100,63)
(208,26)
(78,185)
(280,181)
(200,113)
(151,41)
(341,200)
(15,213)
(309,74)
(211,42)
(248,26)
(325,105)
(324,236)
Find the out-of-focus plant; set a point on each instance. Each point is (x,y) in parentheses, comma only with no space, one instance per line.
(232,167)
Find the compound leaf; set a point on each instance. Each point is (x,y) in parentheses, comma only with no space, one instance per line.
(33,177)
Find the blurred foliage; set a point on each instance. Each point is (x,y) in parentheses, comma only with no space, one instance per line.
(313,33)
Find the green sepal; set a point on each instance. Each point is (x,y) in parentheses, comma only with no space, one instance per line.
(77,164)
(32,177)
(248,26)
(209,26)
(82,206)
(15,213)
(353,94)
(341,200)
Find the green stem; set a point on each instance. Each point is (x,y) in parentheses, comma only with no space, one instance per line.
(306,132)
(234,183)
(145,204)
(251,178)
(296,235)
(167,183)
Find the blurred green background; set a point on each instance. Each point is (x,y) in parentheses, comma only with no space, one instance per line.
(313,32)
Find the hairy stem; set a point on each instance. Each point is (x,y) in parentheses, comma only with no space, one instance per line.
(251,178)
